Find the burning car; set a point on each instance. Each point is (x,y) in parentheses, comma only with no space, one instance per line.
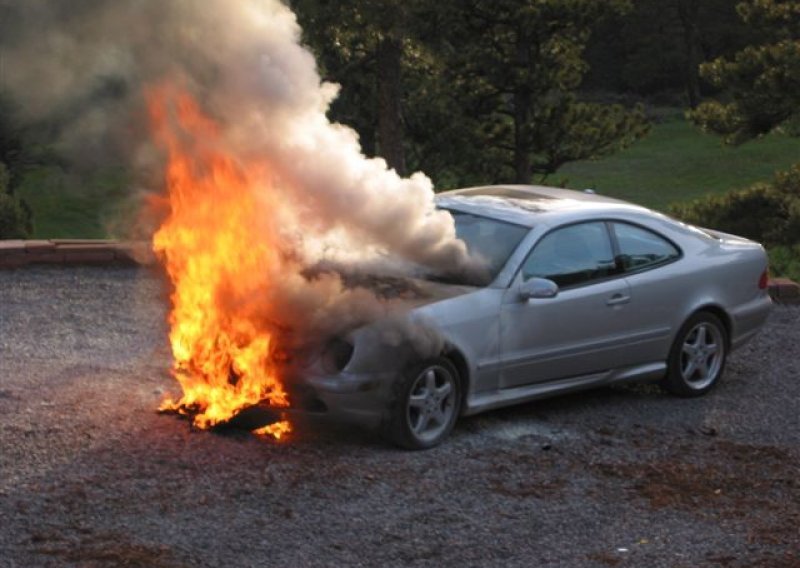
(583,291)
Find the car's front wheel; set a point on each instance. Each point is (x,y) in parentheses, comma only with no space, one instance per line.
(425,405)
(697,357)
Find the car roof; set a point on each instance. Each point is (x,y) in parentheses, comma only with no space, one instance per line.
(531,205)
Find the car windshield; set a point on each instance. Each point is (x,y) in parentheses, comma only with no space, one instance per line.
(488,239)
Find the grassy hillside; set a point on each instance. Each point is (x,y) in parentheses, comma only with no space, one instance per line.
(677,162)
(67,206)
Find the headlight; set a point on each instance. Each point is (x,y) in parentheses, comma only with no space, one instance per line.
(337,355)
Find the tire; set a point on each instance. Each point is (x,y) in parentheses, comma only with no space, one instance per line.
(425,404)
(697,357)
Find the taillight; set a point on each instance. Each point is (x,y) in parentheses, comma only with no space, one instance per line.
(764,280)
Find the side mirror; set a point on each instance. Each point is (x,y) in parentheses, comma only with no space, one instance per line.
(538,288)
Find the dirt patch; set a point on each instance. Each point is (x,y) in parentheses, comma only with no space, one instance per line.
(727,482)
(604,558)
(102,549)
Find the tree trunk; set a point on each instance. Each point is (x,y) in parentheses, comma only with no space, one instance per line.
(688,13)
(522,109)
(522,157)
(390,119)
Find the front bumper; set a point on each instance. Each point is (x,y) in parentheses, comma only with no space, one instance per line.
(359,398)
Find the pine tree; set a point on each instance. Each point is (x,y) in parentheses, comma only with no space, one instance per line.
(762,81)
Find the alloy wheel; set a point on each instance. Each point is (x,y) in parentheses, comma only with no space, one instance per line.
(431,403)
(702,355)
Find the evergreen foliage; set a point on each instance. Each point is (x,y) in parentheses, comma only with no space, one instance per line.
(766,212)
(762,81)
(655,49)
(14,219)
(12,147)
(762,93)
(484,91)
(517,67)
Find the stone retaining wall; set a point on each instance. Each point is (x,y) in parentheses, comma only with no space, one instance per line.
(784,290)
(18,253)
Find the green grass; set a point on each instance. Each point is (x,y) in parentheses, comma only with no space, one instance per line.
(677,162)
(66,206)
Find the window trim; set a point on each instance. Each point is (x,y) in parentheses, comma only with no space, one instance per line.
(611,233)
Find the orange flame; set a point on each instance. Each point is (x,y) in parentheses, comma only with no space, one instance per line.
(276,430)
(218,250)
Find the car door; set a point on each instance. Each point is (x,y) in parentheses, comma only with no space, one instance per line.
(582,329)
(648,261)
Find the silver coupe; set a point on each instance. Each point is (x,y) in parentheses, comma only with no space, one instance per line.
(583,291)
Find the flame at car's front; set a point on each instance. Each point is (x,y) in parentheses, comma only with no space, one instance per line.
(219,252)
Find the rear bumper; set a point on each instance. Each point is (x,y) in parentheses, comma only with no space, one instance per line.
(748,319)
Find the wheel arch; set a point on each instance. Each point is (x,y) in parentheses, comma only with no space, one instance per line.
(722,315)
(459,361)
(675,381)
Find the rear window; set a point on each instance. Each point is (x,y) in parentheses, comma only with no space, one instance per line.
(641,248)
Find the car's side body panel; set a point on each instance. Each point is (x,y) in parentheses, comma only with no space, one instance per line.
(471,324)
(481,402)
(579,331)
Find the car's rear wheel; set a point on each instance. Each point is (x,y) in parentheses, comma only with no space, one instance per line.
(425,405)
(697,358)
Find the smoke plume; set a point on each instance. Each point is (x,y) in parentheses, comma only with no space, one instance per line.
(82,66)
(85,69)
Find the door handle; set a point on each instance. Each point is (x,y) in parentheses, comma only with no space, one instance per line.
(618,299)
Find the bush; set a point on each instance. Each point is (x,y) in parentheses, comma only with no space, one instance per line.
(785,261)
(15,218)
(766,212)
(14,221)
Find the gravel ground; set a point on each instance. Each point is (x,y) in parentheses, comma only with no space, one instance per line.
(91,475)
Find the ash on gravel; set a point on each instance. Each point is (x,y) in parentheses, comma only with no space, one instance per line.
(91,475)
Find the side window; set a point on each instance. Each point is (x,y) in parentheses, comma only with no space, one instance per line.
(640,248)
(572,255)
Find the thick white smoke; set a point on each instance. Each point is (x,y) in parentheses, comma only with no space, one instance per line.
(84,68)
(84,65)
